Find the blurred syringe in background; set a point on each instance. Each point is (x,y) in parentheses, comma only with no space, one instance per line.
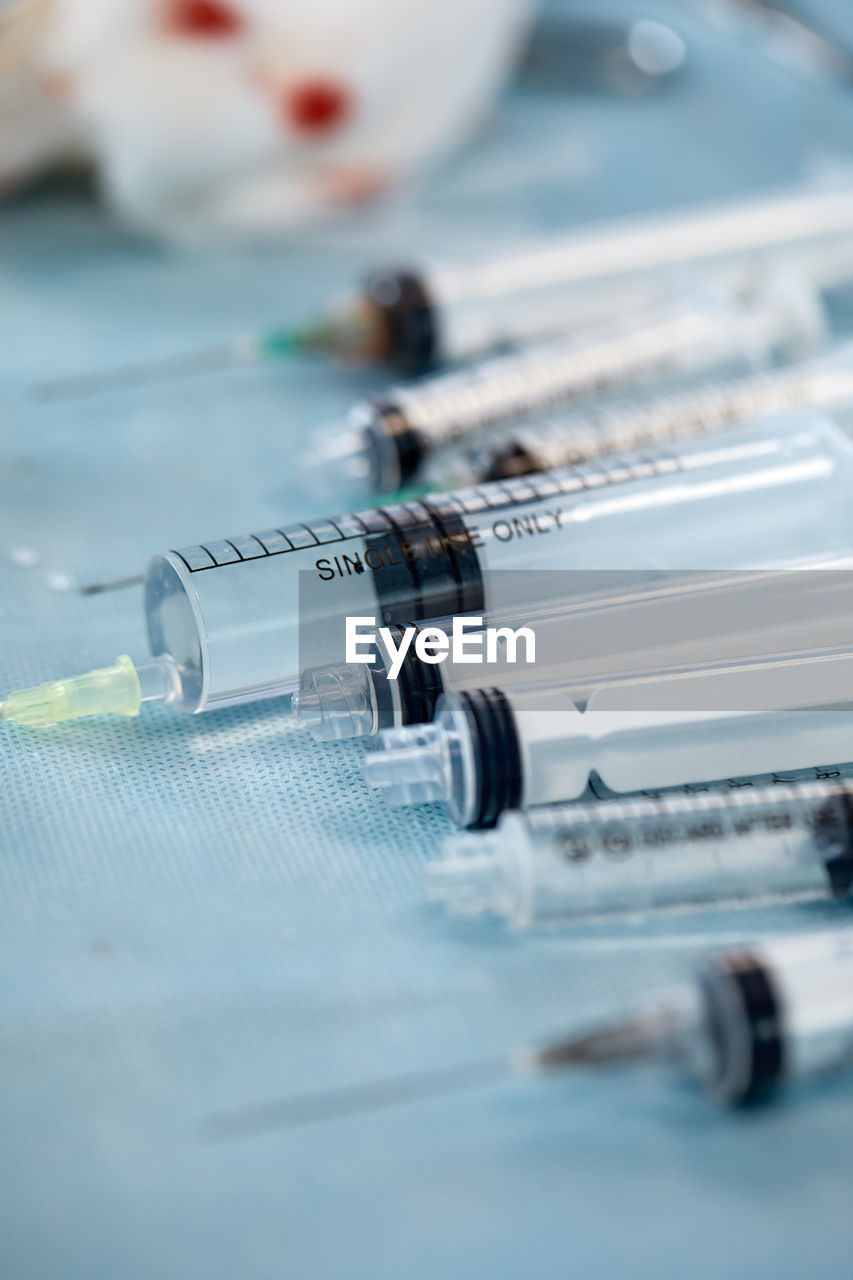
(417,317)
(748,1022)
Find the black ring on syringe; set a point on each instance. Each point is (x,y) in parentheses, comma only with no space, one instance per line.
(744,1073)
(497,754)
(423,584)
(419,686)
(386,429)
(509,461)
(409,318)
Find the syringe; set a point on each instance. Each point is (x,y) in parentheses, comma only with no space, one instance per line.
(393,439)
(824,382)
(226,619)
(752,1020)
(636,857)
(490,750)
(755,1018)
(594,627)
(417,317)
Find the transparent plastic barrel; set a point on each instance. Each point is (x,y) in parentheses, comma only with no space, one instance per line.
(750,718)
(706,327)
(823,383)
(813,978)
(598,628)
(241,616)
(601,269)
(565,863)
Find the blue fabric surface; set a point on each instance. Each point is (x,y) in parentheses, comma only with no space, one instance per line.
(200,915)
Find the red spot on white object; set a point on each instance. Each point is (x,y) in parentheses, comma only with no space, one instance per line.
(59,84)
(355,186)
(316,106)
(203,20)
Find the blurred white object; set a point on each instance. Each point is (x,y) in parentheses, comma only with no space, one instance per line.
(34,126)
(211,117)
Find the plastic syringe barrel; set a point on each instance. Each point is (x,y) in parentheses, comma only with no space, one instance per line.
(572,862)
(228,611)
(702,329)
(812,981)
(496,749)
(776,1010)
(584,636)
(597,272)
(825,382)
